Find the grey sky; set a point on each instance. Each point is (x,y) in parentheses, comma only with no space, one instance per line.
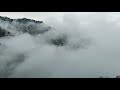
(44,16)
(101,58)
(33,15)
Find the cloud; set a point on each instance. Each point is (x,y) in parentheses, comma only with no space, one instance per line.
(91,49)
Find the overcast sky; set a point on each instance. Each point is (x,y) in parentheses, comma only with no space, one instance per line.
(102,58)
(33,15)
(44,16)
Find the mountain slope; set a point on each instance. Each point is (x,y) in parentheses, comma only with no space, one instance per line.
(11,27)
(23,25)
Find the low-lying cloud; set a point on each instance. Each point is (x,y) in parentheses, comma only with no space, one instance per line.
(88,47)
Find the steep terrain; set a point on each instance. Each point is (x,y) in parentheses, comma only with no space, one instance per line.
(23,39)
(29,26)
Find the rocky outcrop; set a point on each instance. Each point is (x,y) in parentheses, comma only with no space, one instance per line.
(4,33)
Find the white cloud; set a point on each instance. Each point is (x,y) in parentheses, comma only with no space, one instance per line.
(100,58)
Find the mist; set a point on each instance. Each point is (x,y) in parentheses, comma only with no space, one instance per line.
(91,47)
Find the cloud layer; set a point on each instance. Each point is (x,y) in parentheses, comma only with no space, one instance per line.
(92,48)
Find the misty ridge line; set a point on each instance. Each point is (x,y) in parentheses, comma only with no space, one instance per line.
(19,38)
(75,46)
(31,27)
(71,45)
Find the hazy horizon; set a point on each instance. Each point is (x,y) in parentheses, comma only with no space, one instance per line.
(99,58)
